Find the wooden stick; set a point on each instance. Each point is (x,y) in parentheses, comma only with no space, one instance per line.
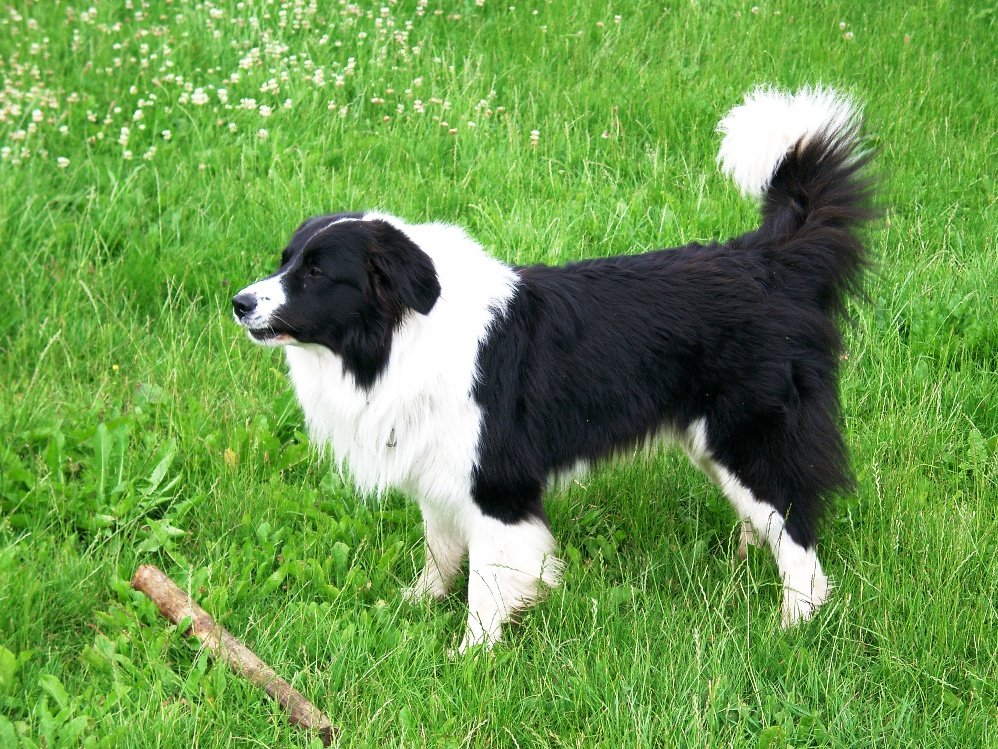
(176,605)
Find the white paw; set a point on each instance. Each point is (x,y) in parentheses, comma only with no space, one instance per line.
(746,538)
(424,589)
(799,606)
(482,640)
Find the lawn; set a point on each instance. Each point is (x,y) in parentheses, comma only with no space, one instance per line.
(155,156)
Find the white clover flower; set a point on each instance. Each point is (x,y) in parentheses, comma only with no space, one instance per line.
(199,97)
(247,103)
(167,135)
(265,111)
(62,162)
(262,134)
(36,115)
(223,95)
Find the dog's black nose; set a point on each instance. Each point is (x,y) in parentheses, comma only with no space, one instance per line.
(243,304)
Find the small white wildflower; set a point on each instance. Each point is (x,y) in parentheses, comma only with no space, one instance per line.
(223,95)
(262,134)
(126,155)
(62,162)
(247,103)
(150,153)
(265,111)
(36,115)
(287,104)
(848,36)
(137,115)
(199,97)
(232,127)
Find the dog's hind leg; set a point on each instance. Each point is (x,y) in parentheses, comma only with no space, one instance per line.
(445,549)
(694,443)
(805,586)
(746,538)
(509,566)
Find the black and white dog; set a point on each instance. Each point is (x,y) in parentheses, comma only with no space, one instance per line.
(427,365)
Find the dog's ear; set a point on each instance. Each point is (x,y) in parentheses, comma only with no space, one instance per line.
(402,272)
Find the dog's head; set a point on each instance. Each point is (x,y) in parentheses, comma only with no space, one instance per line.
(346,281)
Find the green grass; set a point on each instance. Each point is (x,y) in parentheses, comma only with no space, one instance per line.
(140,426)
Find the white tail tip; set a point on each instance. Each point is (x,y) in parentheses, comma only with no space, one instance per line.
(759,133)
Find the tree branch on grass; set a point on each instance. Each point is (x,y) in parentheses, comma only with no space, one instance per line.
(176,606)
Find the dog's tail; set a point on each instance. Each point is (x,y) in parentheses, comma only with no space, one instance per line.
(800,153)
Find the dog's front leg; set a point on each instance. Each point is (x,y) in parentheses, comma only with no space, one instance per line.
(445,548)
(509,566)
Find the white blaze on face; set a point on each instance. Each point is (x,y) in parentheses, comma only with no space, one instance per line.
(270,297)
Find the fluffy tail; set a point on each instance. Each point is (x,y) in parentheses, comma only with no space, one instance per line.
(799,153)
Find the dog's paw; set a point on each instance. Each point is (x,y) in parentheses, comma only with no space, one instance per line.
(746,537)
(473,642)
(799,606)
(424,588)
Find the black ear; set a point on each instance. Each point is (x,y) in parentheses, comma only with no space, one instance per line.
(402,272)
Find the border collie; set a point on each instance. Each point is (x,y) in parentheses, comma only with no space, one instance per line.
(425,364)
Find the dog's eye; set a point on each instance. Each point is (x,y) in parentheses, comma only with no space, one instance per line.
(314,272)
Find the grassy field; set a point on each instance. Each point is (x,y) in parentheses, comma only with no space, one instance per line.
(154,157)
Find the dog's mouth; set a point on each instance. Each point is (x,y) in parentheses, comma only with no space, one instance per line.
(269,335)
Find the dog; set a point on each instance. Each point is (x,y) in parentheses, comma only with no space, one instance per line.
(426,365)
